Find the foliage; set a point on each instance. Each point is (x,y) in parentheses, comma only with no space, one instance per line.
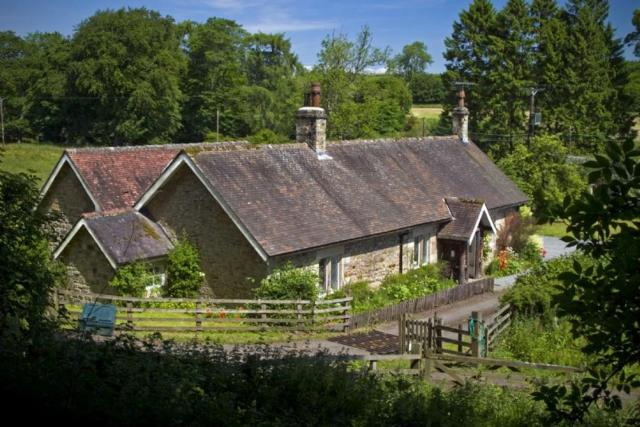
(27,273)
(532,339)
(288,282)
(515,232)
(395,288)
(123,78)
(132,279)
(539,44)
(427,89)
(542,172)
(533,291)
(184,274)
(633,38)
(600,297)
(266,136)
(413,61)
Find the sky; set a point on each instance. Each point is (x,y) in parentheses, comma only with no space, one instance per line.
(305,22)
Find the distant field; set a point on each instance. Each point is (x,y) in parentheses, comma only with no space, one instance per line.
(38,159)
(427,111)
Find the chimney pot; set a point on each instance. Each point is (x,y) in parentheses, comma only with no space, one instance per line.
(311,121)
(461,118)
(315,94)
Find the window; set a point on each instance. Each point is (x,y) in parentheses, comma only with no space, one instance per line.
(331,273)
(421,250)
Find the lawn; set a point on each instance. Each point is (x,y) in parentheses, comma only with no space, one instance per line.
(155,319)
(555,229)
(38,159)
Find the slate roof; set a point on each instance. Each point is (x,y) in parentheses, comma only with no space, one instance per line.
(291,200)
(128,236)
(465,214)
(117,176)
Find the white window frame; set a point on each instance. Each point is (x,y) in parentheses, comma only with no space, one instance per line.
(421,250)
(331,271)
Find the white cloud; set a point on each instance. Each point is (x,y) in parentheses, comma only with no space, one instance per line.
(271,16)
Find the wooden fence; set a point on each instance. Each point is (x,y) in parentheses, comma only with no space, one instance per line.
(199,315)
(419,336)
(500,322)
(393,313)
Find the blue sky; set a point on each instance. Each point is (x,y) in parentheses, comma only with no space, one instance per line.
(305,22)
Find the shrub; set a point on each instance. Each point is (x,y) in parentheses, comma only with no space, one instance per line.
(532,292)
(534,340)
(267,136)
(288,282)
(27,273)
(184,275)
(132,279)
(515,232)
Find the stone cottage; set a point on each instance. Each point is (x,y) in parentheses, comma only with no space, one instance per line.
(351,210)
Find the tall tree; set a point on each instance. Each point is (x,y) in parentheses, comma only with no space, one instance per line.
(633,38)
(511,59)
(413,60)
(124,77)
(46,104)
(468,53)
(270,100)
(213,78)
(14,79)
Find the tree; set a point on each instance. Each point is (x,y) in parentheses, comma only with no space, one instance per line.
(184,274)
(413,61)
(27,273)
(45,103)
(543,173)
(124,78)
(427,89)
(213,78)
(601,298)
(14,80)
(468,52)
(633,38)
(132,279)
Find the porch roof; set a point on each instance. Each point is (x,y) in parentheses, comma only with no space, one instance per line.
(467,216)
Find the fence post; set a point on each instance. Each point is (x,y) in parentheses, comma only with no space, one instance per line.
(298,309)
(198,317)
(426,365)
(263,307)
(476,319)
(438,346)
(429,335)
(401,332)
(460,338)
(130,314)
(345,313)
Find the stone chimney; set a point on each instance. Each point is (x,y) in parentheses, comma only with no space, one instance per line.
(311,121)
(461,118)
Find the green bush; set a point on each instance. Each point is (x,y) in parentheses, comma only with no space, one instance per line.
(184,275)
(267,136)
(132,279)
(397,287)
(124,382)
(288,282)
(536,340)
(532,292)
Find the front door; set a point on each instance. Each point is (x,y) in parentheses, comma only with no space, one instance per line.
(471,257)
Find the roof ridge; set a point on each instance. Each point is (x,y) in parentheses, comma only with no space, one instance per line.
(107,213)
(394,139)
(177,146)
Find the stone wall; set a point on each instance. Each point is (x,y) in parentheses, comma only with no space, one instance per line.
(87,267)
(370,259)
(230,263)
(68,198)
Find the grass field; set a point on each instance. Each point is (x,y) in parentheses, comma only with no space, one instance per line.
(38,159)
(148,319)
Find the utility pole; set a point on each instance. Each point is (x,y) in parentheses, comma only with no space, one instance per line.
(2,118)
(532,109)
